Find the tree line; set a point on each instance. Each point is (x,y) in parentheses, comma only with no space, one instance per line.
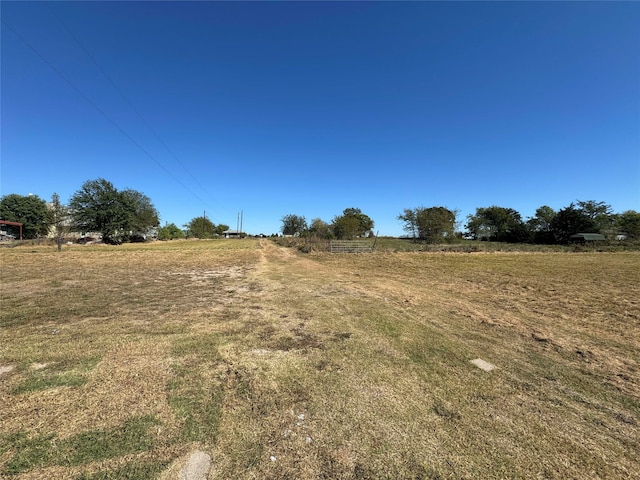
(98,207)
(128,215)
(499,224)
(548,226)
(351,224)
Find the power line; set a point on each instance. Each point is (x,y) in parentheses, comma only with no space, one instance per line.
(102,112)
(124,97)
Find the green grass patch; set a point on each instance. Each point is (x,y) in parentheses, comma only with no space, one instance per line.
(30,452)
(16,316)
(130,471)
(194,393)
(132,437)
(43,382)
(40,451)
(58,374)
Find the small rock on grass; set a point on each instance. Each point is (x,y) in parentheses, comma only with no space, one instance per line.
(483,364)
(195,466)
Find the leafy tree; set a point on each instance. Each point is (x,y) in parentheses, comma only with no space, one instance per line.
(542,220)
(410,222)
(569,221)
(346,227)
(30,210)
(593,209)
(434,224)
(320,229)
(498,224)
(142,214)
(96,207)
(99,207)
(170,232)
(200,227)
(293,225)
(601,213)
(59,219)
(540,225)
(629,224)
(478,227)
(220,229)
(352,223)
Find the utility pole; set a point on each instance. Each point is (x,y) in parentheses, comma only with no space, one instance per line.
(239,234)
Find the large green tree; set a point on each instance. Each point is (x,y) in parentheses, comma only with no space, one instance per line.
(601,213)
(629,224)
(99,207)
(320,229)
(499,224)
(594,209)
(540,225)
(434,224)
(143,216)
(571,220)
(221,228)
(30,210)
(200,227)
(293,224)
(351,224)
(170,232)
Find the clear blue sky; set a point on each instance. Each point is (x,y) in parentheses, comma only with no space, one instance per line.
(310,108)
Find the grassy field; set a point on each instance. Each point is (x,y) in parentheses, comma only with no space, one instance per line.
(117,361)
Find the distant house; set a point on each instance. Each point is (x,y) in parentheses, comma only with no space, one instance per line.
(231,234)
(586,237)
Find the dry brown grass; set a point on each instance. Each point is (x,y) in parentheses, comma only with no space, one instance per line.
(284,365)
